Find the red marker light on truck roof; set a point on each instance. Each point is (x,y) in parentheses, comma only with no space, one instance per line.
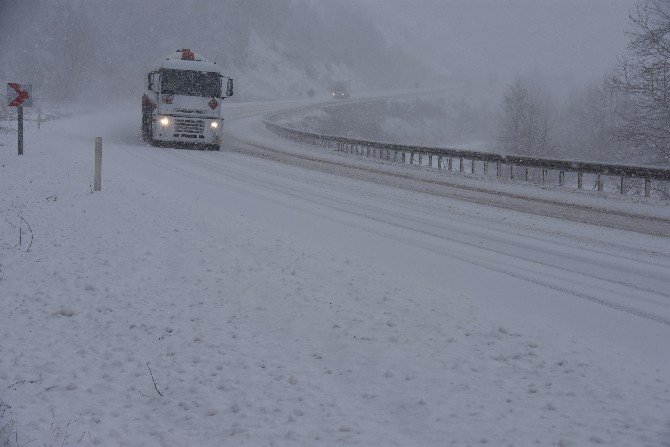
(187,55)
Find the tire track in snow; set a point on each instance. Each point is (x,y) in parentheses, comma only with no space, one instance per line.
(616,219)
(550,248)
(521,273)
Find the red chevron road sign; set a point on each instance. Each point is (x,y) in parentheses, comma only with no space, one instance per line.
(19,95)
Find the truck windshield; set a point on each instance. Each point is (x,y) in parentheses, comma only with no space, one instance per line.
(190,83)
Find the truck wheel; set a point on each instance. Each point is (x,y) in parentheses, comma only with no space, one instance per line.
(146,128)
(151,135)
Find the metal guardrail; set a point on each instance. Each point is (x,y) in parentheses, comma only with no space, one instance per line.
(400,152)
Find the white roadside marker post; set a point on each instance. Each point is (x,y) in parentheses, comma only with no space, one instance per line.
(97,182)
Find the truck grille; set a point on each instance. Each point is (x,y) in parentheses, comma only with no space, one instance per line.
(187,125)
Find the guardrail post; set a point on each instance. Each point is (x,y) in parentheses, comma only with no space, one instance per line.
(623,185)
(498,169)
(388,154)
(404,157)
(599,182)
(367,151)
(39,118)
(430,160)
(526,174)
(544,175)
(472,166)
(580,179)
(511,172)
(561,178)
(451,164)
(420,157)
(486,167)
(411,158)
(439,162)
(461,167)
(647,187)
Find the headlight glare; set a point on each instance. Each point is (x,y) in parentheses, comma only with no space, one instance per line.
(214,125)
(165,121)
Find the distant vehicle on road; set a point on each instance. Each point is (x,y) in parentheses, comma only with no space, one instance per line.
(182,101)
(340,91)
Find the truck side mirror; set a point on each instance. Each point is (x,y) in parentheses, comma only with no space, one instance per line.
(229,88)
(154,81)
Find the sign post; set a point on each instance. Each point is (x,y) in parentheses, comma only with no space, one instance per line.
(20,130)
(20,96)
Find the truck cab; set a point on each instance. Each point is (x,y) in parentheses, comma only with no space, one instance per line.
(182,100)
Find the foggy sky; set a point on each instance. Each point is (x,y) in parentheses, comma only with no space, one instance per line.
(112,43)
(580,38)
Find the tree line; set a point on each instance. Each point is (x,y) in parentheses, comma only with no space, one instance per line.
(625,117)
(73,50)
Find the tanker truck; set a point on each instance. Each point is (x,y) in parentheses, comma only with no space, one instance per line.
(181,104)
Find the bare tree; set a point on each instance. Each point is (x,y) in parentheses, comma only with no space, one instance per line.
(643,79)
(585,123)
(525,126)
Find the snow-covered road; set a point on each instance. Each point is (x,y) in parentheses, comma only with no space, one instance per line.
(284,296)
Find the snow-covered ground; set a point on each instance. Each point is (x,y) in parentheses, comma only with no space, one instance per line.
(238,298)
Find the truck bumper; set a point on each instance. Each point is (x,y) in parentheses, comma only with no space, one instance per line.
(187,130)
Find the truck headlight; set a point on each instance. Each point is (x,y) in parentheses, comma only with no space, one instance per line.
(214,124)
(165,121)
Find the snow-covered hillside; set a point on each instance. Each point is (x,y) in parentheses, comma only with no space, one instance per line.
(207,298)
(274,49)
